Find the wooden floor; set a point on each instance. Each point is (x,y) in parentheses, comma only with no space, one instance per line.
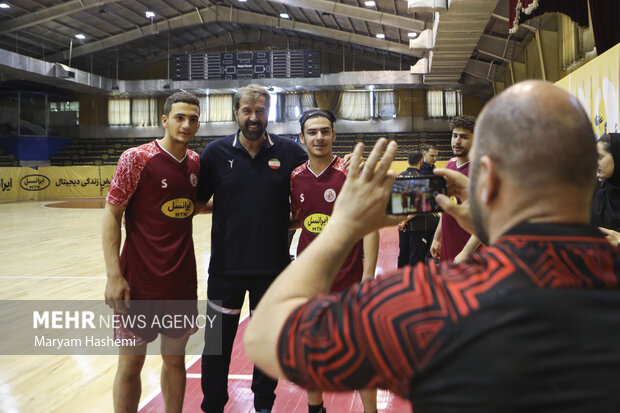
(54,253)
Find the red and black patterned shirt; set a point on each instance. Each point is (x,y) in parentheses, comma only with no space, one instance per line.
(158,193)
(531,323)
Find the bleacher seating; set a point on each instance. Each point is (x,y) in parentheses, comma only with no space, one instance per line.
(107,151)
(7,159)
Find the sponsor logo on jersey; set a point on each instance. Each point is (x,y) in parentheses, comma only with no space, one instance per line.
(34,182)
(274,163)
(179,208)
(316,222)
(329,195)
(193,179)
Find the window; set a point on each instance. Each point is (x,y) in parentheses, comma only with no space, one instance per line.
(119,113)
(144,112)
(355,105)
(444,103)
(221,108)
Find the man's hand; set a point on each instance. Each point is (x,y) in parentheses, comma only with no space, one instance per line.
(360,206)
(117,293)
(436,249)
(403,224)
(456,185)
(612,236)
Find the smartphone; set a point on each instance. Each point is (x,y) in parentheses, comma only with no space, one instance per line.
(416,195)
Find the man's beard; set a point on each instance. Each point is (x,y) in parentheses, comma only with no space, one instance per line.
(254,134)
(476,210)
(463,153)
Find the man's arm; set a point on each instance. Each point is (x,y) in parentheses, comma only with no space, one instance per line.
(359,209)
(371,254)
(204,207)
(436,244)
(117,288)
(470,247)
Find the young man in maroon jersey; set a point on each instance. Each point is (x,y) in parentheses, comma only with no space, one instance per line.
(155,187)
(451,242)
(314,188)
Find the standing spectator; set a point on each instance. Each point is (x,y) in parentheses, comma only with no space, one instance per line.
(315,186)
(416,233)
(606,202)
(248,176)
(157,262)
(430,153)
(450,240)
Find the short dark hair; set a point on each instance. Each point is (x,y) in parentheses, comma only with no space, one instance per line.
(313,113)
(464,122)
(428,147)
(415,157)
(606,141)
(177,97)
(252,92)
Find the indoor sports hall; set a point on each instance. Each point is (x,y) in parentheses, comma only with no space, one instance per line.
(82,81)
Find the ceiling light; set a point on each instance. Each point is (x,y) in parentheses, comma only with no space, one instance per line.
(369,3)
(4,6)
(380,36)
(149,14)
(242,1)
(285,15)
(412,35)
(80,36)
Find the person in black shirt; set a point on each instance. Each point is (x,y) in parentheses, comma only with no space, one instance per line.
(415,234)
(430,153)
(248,176)
(606,202)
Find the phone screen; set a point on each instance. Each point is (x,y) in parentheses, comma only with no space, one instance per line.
(416,195)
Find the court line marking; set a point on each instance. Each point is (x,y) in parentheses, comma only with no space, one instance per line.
(156,392)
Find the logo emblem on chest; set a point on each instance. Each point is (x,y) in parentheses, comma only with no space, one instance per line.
(329,195)
(274,163)
(179,208)
(193,179)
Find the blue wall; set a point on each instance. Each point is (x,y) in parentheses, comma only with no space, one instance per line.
(33,148)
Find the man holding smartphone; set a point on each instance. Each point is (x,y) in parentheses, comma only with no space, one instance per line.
(314,188)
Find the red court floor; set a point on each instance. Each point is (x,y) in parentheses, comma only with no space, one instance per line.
(289,397)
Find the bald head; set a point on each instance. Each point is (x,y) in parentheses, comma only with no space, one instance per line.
(539,136)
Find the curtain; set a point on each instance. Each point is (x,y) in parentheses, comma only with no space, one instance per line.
(292,106)
(569,41)
(144,112)
(605,23)
(523,10)
(204,108)
(453,103)
(119,112)
(307,101)
(354,106)
(385,108)
(221,108)
(434,103)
